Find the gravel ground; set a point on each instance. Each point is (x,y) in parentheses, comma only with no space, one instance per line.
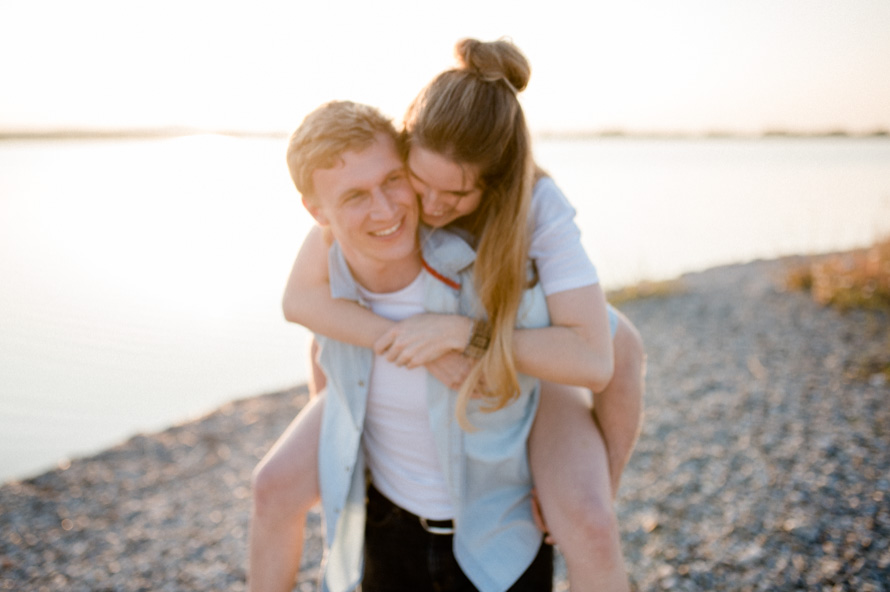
(763,464)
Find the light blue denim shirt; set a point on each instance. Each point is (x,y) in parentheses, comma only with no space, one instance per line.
(486,470)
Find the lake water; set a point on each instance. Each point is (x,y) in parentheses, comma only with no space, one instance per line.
(140,280)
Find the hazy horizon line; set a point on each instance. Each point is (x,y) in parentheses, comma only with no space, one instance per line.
(75,133)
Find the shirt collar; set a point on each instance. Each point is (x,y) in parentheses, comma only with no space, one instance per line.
(445,256)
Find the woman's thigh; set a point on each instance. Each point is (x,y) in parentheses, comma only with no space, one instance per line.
(568,457)
(290,468)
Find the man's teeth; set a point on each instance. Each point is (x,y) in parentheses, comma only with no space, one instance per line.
(387,231)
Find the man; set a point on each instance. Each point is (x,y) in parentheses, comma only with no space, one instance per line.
(446,508)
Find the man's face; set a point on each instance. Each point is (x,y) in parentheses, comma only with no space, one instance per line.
(369,205)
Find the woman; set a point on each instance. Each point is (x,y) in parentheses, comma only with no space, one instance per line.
(469,156)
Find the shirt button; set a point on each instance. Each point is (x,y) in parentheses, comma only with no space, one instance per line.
(361,383)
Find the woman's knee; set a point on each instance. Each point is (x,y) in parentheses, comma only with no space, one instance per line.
(279,489)
(630,352)
(596,517)
(587,518)
(589,507)
(286,480)
(267,488)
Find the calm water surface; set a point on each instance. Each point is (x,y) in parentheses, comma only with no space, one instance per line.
(141,280)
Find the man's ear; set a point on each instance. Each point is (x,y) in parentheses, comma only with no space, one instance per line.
(315,211)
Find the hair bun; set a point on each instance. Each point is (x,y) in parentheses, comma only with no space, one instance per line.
(494,60)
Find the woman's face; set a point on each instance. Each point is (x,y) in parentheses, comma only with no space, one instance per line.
(448,190)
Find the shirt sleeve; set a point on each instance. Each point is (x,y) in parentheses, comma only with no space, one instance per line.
(556,247)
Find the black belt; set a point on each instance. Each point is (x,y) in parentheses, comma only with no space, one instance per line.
(443,527)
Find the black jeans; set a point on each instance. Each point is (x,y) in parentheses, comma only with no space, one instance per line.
(401,556)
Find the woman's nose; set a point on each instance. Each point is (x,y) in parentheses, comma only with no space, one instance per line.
(430,200)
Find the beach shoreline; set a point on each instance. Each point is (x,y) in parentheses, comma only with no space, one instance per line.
(762,464)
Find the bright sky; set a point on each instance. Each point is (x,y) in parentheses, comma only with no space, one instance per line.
(640,65)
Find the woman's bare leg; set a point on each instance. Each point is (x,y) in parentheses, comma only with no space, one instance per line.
(285,487)
(571,473)
(618,409)
(571,465)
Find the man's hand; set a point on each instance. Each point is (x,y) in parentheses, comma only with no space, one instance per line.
(539,518)
(451,369)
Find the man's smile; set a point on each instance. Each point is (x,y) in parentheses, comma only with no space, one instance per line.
(388,231)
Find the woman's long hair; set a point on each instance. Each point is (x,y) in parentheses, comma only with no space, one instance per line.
(472,115)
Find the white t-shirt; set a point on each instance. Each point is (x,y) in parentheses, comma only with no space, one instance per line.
(398,440)
(556,247)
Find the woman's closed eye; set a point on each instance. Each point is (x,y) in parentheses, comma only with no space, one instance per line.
(395,180)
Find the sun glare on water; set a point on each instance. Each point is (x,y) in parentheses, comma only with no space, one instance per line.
(169,227)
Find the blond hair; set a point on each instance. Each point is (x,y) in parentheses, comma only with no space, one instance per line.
(471,115)
(326,133)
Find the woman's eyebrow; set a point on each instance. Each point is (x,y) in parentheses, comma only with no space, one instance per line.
(458,192)
(413,174)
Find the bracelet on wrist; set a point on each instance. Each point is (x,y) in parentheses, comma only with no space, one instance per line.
(480,338)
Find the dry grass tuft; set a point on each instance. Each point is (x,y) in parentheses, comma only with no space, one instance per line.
(643,290)
(856,280)
(859,280)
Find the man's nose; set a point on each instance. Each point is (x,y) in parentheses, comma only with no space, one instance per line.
(382,205)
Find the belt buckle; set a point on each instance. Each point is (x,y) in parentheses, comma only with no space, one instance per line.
(436,529)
